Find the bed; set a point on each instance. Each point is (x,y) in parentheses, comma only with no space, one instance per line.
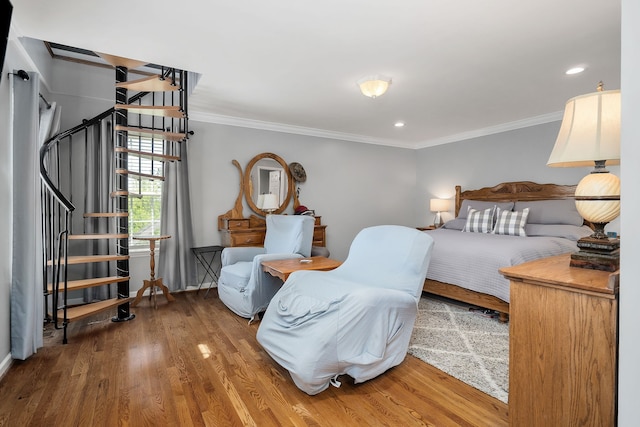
(464,265)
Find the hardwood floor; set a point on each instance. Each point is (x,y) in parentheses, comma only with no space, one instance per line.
(194,362)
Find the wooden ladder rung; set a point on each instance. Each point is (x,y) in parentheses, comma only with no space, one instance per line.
(98,236)
(122,193)
(167,136)
(140,175)
(106,214)
(149,84)
(84,259)
(82,311)
(118,61)
(173,111)
(150,156)
(88,283)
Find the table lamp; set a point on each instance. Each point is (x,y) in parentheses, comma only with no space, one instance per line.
(590,135)
(269,203)
(438,206)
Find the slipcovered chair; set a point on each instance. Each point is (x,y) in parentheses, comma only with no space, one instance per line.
(243,286)
(356,319)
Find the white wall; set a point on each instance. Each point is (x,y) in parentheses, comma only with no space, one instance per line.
(629,366)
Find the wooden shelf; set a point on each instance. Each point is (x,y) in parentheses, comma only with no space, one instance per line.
(88,283)
(172,111)
(149,84)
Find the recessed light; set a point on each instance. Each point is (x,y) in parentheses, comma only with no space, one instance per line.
(399,124)
(574,70)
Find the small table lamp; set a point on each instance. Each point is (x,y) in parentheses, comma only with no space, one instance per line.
(590,134)
(268,202)
(438,206)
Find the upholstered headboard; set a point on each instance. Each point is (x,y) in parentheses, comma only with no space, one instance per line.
(515,191)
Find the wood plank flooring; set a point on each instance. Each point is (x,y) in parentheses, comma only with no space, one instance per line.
(192,362)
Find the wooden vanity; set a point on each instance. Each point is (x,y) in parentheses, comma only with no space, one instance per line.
(238,230)
(251,232)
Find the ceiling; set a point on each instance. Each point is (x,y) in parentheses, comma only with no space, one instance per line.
(459,68)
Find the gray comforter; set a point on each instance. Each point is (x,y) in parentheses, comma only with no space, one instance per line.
(472,260)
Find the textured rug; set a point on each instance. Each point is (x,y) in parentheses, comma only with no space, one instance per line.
(465,343)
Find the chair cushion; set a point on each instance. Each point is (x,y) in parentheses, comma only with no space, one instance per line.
(236,275)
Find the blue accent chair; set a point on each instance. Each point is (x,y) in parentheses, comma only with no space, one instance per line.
(356,319)
(243,286)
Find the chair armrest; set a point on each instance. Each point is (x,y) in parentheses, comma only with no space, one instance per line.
(243,253)
(272,257)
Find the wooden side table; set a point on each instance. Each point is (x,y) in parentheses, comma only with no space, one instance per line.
(562,344)
(283,268)
(152,282)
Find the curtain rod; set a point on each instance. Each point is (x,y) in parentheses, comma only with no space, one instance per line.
(25,76)
(45,101)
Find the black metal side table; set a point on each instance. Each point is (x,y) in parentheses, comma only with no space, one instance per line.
(206,257)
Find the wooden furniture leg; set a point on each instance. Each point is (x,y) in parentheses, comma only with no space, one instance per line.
(152,282)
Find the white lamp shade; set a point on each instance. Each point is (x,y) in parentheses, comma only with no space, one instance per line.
(439,205)
(374,86)
(590,131)
(270,202)
(260,201)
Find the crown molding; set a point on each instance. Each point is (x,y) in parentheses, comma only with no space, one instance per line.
(199,116)
(505,127)
(205,117)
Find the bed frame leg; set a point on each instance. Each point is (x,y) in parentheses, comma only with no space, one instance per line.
(503,317)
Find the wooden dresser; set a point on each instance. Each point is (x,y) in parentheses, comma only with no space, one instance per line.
(251,232)
(563,344)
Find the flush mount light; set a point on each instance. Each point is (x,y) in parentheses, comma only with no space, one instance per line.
(374,86)
(574,70)
(399,124)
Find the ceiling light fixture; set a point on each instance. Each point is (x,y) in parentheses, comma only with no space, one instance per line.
(374,86)
(399,124)
(574,70)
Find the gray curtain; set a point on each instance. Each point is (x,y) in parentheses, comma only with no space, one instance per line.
(26,281)
(176,265)
(99,171)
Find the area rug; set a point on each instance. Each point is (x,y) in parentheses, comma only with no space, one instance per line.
(466,343)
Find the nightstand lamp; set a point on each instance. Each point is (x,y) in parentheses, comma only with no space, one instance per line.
(438,206)
(590,134)
(268,202)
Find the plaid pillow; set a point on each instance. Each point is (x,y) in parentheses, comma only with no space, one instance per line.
(511,223)
(479,221)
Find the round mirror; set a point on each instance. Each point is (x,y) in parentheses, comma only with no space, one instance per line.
(267,174)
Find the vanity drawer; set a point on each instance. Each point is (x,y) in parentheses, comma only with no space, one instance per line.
(236,224)
(243,238)
(319,235)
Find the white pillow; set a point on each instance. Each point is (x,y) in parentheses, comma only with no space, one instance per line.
(511,223)
(479,221)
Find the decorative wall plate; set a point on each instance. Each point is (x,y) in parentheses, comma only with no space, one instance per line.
(298,172)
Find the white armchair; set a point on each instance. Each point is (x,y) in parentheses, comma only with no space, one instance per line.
(243,286)
(356,319)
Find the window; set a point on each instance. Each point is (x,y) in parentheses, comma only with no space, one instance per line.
(145,193)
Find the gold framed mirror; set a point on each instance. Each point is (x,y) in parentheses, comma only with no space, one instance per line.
(267,173)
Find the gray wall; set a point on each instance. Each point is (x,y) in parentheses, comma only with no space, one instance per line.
(518,155)
(351,185)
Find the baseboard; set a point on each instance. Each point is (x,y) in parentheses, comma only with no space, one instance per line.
(5,365)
